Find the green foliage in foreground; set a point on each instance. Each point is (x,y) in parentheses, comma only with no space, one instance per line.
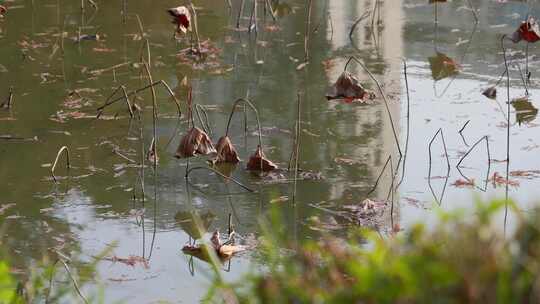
(462,260)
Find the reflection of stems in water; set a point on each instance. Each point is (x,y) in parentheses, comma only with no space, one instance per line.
(381,91)
(154,113)
(220,174)
(392,195)
(155,210)
(458,166)
(62,149)
(507,130)
(464,126)
(380,175)
(253,18)
(408,121)
(306,33)
(355,24)
(473,10)
(439,200)
(270,9)
(461,132)
(240,11)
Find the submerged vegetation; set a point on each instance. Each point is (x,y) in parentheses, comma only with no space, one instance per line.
(464,259)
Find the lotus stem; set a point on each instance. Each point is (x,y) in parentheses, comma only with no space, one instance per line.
(381,91)
(62,149)
(206,124)
(507,130)
(246,102)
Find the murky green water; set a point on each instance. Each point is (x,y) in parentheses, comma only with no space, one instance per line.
(347,143)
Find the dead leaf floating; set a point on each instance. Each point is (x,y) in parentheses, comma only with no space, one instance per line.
(525,110)
(528,30)
(196,141)
(226,153)
(442,66)
(348,87)
(490,92)
(182,18)
(258,162)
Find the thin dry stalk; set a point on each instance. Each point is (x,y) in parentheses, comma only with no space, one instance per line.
(408,121)
(162,82)
(507,130)
(253,18)
(381,91)
(75,284)
(307,31)
(9,100)
(196,27)
(355,24)
(62,149)
(154,111)
(240,12)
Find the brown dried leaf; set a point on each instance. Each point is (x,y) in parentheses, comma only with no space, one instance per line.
(490,92)
(348,87)
(258,161)
(226,153)
(196,141)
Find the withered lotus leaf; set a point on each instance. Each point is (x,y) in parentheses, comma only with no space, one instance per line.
(348,87)
(196,141)
(442,66)
(258,161)
(226,153)
(527,30)
(490,92)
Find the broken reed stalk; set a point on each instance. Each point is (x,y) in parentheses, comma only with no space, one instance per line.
(62,149)
(240,11)
(220,174)
(507,130)
(229,4)
(154,110)
(270,9)
(162,82)
(306,33)
(148,56)
(195,26)
(9,100)
(458,166)
(439,200)
(296,146)
(408,121)
(380,175)
(525,85)
(126,98)
(206,123)
(381,91)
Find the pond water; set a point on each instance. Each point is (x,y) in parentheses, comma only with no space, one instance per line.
(99,206)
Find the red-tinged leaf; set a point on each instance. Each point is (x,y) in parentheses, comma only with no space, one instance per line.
(499,180)
(182,18)
(461,183)
(528,30)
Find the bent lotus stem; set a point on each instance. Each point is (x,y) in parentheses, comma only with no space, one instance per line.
(381,91)
(247,102)
(62,149)
(162,82)
(220,174)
